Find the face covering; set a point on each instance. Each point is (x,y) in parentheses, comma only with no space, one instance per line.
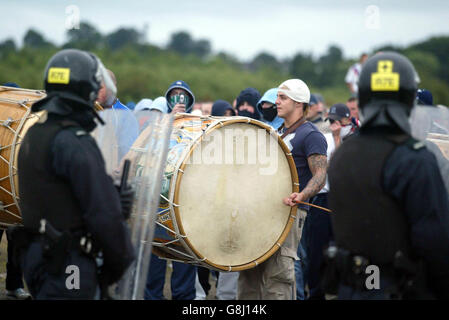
(246,113)
(269,113)
(344,131)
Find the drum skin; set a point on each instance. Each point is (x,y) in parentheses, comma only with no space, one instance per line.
(15,120)
(221,204)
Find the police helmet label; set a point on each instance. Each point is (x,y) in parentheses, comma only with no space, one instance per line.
(385,79)
(59,75)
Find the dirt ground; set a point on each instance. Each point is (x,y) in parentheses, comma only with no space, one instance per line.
(3,258)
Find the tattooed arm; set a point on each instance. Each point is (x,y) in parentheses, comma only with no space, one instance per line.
(318,167)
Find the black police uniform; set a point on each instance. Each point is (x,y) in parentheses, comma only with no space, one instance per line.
(390,209)
(390,199)
(63,180)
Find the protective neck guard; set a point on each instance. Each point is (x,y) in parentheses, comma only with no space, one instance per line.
(68,105)
(384,113)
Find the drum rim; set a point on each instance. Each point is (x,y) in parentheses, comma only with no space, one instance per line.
(180,172)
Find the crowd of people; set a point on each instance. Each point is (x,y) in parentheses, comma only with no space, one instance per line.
(361,180)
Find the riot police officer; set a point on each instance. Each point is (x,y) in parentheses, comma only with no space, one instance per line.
(390,204)
(70,207)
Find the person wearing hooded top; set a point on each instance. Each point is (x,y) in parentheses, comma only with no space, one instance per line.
(222,108)
(65,193)
(246,103)
(145,106)
(179,99)
(268,110)
(390,207)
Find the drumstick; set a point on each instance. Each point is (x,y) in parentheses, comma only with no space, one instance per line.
(313,205)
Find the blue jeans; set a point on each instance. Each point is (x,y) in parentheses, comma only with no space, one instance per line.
(300,268)
(318,230)
(182,280)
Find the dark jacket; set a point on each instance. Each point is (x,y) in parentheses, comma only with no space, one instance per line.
(252,97)
(75,158)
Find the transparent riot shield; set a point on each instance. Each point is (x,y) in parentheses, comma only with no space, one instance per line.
(106,138)
(431,123)
(116,136)
(148,157)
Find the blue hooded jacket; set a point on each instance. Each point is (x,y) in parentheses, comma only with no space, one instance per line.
(181,85)
(270,96)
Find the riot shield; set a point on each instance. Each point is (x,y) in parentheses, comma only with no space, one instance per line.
(116,136)
(431,123)
(148,157)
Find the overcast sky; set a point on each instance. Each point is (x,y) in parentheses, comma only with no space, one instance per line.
(243,27)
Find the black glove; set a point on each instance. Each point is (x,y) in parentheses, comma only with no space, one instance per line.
(126,200)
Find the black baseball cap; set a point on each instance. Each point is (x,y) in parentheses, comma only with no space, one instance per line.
(338,111)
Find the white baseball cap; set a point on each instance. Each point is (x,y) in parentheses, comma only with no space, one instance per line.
(296,90)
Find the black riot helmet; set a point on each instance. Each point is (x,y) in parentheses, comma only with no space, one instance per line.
(387,89)
(79,73)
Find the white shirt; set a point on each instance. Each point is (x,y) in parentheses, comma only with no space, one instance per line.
(352,76)
(330,150)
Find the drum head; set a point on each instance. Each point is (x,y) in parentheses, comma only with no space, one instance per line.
(230,195)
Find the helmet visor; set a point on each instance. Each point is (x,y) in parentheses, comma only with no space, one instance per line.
(107,84)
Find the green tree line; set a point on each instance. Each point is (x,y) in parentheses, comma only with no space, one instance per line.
(144,70)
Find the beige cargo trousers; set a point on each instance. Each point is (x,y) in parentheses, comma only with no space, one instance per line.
(274,279)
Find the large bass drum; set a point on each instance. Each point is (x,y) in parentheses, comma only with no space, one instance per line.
(221,201)
(15,119)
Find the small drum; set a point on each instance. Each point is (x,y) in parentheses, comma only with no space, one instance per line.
(15,119)
(221,200)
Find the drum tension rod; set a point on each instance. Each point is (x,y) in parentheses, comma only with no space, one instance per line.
(7,122)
